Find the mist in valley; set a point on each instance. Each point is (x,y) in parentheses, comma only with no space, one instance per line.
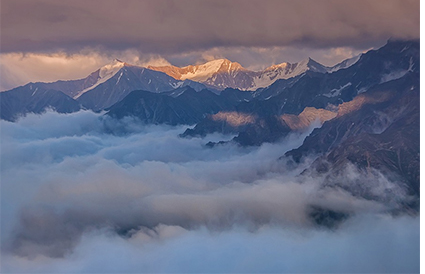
(83,192)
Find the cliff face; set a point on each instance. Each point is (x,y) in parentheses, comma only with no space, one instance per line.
(379,131)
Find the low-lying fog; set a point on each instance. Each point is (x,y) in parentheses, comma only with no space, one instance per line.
(84,193)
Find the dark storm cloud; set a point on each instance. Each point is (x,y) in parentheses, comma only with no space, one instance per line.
(182,26)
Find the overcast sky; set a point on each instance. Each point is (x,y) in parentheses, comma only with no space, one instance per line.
(68,39)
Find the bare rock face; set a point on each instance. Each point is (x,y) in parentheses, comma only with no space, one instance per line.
(189,107)
(18,102)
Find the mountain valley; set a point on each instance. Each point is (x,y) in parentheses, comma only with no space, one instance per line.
(365,110)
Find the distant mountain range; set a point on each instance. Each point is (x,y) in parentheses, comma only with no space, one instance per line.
(101,89)
(222,73)
(113,82)
(368,107)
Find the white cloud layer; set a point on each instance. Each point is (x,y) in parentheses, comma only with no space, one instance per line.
(365,245)
(75,198)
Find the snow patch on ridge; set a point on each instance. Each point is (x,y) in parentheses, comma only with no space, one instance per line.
(282,71)
(336,91)
(177,85)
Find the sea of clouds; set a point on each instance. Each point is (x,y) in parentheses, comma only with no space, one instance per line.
(84,193)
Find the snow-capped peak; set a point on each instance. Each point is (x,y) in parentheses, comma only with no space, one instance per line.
(294,69)
(278,66)
(204,71)
(200,72)
(284,71)
(228,66)
(105,73)
(210,73)
(111,68)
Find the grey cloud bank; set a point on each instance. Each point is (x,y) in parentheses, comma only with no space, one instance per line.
(45,40)
(183,26)
(77,199)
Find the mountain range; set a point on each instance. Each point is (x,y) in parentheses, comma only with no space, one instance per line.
(222,73)
(113,82)
(366,109)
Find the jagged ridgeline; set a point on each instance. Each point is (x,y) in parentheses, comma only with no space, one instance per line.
(113,82)
(366,108)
